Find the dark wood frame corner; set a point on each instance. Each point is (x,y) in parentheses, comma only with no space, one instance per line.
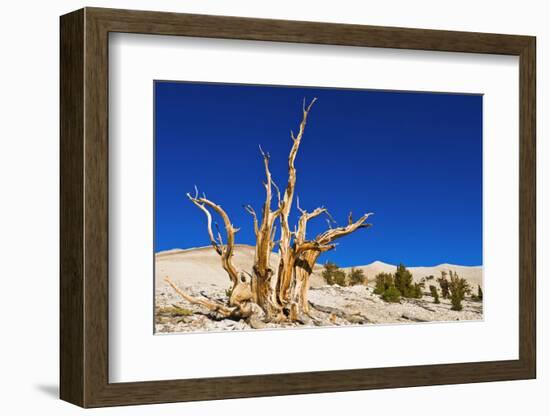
(84,207)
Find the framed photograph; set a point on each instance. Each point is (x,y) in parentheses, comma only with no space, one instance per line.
(257,207)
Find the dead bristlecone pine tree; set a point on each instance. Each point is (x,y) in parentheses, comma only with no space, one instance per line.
(263,294)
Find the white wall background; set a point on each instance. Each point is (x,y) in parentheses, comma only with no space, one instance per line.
(29,159)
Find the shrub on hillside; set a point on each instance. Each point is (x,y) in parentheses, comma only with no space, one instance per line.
(333,275)
(339,278)
(479,296)
(328,272)
(434,293)
(383,282)
(458,288)
(357,277)
(416,290)
(391,294)
(403,281)
(392,287)
(444,285)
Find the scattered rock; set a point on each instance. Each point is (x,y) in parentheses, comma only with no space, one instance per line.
(412,318)
(330,306)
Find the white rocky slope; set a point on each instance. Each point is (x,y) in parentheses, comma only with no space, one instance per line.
(198,271)
(202,266)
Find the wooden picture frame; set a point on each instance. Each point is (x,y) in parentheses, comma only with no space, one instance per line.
(84,207)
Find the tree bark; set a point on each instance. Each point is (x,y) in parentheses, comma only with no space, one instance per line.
(264,280)
(271,295)
(286,253)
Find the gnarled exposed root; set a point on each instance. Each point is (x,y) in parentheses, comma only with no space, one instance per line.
(256,322)
(209,304)
(244,310)
(273,295)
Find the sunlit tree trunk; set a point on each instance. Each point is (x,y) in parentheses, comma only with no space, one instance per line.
(263,294)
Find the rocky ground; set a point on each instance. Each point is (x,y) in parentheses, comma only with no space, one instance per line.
(331,306)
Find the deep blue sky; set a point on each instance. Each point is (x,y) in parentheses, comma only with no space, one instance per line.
(414,159)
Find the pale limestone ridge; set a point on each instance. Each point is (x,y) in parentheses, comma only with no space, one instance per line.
(201,265)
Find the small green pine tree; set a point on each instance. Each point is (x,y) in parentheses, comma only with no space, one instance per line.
(403,281)
(444,285)
(459,288)
(434,293)
(391,294)
(339,278)
(357,277)
(477,297)
(383,282)
(416,290)
(329,268)
(385,287)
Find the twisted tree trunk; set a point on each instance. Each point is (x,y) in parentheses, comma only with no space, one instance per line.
(264,294)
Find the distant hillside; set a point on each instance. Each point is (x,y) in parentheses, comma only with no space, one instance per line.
(474,274)
(202,266)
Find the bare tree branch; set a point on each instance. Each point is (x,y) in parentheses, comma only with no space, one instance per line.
(251,211)
(300,234)
(225,251)
(281,295)
(213,241)
(265,228)
(332,234)
(313,246)
(286,255)
(207,303)
(279,202)
(289,192)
